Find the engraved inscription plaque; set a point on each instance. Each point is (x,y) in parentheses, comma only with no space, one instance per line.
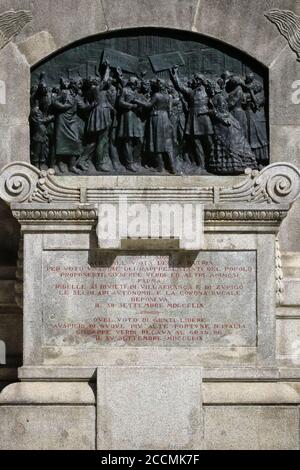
(168,300)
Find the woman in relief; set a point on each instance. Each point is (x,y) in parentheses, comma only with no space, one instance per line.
(257,125)
(236,101)
(232,153)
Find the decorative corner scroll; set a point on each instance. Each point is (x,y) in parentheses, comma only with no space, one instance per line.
(278,183)
(22,182)
(288,24)
(11,24)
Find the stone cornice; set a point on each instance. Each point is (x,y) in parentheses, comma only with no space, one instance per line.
(90,214)
(276,184)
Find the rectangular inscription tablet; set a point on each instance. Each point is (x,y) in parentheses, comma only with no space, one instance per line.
(149,300)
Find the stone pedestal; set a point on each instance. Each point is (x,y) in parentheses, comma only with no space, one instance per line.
(151,334)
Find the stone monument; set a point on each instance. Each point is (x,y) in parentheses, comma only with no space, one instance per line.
(152,190)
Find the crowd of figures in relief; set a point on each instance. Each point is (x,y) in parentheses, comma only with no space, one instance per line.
(112,124)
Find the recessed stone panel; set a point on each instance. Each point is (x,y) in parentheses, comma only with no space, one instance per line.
(149,300)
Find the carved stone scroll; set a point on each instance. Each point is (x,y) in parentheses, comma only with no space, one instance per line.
(278,183)
(288,24)
(11,24)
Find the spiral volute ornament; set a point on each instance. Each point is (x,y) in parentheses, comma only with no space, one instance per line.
(281,182)
(18,181)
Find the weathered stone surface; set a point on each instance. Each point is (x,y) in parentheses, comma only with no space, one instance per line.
(14,130)
(288,340)
(210,373)
(142,407)
(149,408)
(285,144)
(66,20)
(37,47)
(251,428)
(15,73)
(174,14)
(14,143)
(47,427)
(46,393)
(290,229)
(250,393)
(291,293)
(284,99)
(37,238)
(19,142)
(226,19)
(291,264)
(171,300)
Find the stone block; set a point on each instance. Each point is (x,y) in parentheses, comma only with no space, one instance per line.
(291,292)
(245,393)
(251,428)
(289,234)
(149,408)
(288,340)
(291,264)
(15,72)
(48,393)
(47,427)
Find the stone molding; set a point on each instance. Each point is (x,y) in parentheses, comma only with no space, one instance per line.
(52,214)
(251,393)
(278,183)
(19,275)
(37,393)
(278,275)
